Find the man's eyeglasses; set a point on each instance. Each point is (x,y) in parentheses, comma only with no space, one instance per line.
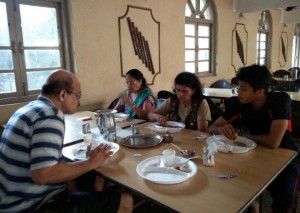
(131,82)
(76,94)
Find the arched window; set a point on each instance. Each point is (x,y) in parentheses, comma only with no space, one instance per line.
(296,46)
(199,37)
(263,39)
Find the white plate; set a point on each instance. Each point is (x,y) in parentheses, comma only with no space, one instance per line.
(120,117)
(227,145)
(160,129)
(79,150)
(152,169)
(106,111)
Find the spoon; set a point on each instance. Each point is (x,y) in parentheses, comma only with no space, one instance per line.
(177,147)
(187,159)
(185,152)
(185,163)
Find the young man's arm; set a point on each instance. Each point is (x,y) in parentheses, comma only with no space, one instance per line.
(273,139)
(221,126)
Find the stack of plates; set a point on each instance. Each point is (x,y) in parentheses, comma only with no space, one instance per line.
(171,127)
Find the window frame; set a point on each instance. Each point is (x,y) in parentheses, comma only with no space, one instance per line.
(22,93)
(264,27)
(296,46)
(202,21)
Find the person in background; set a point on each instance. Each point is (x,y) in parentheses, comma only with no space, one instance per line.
(187,105)
(138,99)
(33,172)
(264,117)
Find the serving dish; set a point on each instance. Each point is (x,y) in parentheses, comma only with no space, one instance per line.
(172,127)
(141,140)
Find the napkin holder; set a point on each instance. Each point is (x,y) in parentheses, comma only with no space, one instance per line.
(208,154)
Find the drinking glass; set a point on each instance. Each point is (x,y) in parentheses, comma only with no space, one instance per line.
(169,157)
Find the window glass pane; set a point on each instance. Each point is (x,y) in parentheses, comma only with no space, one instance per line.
(203,42)
(190,29)
(267,25)
(203,31)
(37,79)
(188,11)
(189,55)
(257,36)
(203,66)
(189,42)
(6,61)
(208,14)
(262,61)
(262,53)
(294,49)
(42,58)
(202,3)
(262,45)
(203,55)
(194,3)
(7,83)
(262,37)
(190,67)
(39,26)
(4,35)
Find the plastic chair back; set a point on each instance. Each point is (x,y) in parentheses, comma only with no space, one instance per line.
(221,84)
(164,94)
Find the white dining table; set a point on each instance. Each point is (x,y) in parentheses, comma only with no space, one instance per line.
(204,192)
(74,122)
(227,93)
(218,93)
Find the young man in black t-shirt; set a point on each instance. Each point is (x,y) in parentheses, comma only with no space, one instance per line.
(264,117)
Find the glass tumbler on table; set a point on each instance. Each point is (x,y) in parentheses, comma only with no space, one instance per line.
(169,157)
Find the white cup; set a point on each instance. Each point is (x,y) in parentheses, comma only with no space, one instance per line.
(87,138)
(169,157)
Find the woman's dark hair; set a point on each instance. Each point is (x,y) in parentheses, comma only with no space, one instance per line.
(189,80)
(55,86)
(138,75)
(259,77)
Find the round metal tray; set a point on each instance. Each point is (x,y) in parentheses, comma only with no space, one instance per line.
(142,140)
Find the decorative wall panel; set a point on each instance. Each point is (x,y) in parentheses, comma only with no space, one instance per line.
(139,37)
(239,46)
(283,49)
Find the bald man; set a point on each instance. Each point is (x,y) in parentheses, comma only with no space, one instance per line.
(33,173)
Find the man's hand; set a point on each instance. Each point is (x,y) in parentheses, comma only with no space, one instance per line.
(228,131)
(98,155)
